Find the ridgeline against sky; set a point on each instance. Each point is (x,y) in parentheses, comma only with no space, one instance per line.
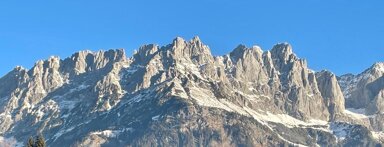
(342,36)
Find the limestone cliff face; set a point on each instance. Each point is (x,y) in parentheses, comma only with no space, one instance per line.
(364,90)
(280,75)
(331,92)
(178,95)
(87,61)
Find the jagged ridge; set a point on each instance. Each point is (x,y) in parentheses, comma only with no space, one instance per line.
(115,100)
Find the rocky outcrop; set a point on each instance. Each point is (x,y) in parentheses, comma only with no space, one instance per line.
(298,84)
(87,61)
(178,95)
(330,91)
(364,91)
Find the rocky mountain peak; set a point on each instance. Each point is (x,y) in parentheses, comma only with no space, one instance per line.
(196,40)
(37,68)
(52,62)
(331,92)
(283,57)
(178,43)
(179,94)
(145,53)
(110,56)
(238,52)
(372,73)
(379,65)
(19,68)
(378,68)
(19,72)
(241,51)
(282,51)
(17,76)
(84,61)
(193,50)
(364,91)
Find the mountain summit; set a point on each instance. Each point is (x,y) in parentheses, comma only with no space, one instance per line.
(181,95)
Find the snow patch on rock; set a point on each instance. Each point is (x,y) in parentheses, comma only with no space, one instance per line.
(10,142)
(111,133)
(357,113)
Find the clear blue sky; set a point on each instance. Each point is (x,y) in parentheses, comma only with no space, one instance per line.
(344,36)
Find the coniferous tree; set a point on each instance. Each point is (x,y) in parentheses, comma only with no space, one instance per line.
(31,142)
(40,141)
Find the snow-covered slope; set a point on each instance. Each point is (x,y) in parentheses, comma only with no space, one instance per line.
(180,95)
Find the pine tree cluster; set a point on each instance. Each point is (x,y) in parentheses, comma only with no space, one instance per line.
(39,141)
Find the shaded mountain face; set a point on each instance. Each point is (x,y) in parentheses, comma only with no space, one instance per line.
(365,93)
(181,95)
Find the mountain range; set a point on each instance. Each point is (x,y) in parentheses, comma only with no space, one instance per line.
(181,95)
